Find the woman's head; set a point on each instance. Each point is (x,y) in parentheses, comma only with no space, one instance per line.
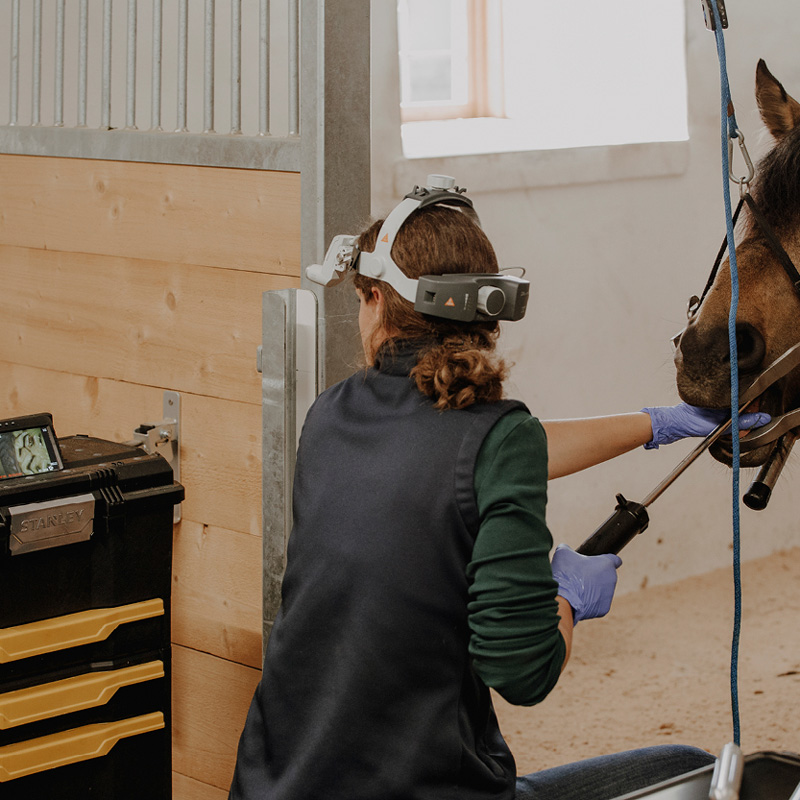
(435,240)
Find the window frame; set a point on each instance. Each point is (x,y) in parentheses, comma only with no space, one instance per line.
(484,85)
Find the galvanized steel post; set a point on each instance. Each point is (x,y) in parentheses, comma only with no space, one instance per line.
(83,47)
(236,66)
(105,103)
(14,92)
(263,68)
(155,79)
(183,57)
(208,69)
(335,140)
(36,99)
(333,124)
(58,110)
(130,94)
(294,67)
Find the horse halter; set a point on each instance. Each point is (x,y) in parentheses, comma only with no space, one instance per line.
(772,240)
(788,360)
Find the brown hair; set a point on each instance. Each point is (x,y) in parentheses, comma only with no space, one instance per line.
(456,366)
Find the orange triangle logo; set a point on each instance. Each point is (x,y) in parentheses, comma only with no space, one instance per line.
(385,238)
(450,303)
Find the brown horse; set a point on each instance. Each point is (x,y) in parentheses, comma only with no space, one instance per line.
(768,319)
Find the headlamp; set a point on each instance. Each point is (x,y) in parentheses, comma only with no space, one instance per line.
(467,297)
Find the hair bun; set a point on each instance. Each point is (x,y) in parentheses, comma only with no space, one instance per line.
(461,371)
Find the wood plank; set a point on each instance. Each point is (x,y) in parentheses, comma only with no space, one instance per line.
(222,466)
(210,699)
(216,592)
(220,440)
(242,219)
(185,788)
(188,328)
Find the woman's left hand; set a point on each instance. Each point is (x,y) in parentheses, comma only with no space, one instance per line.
(671,423)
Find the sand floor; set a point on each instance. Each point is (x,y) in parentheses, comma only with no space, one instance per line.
(657,670)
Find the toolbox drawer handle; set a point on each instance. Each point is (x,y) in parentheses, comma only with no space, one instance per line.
(71,630)
(93,689)
(70,747)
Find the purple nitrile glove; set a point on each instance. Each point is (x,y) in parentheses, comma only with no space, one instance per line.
(587,583)
(671,423)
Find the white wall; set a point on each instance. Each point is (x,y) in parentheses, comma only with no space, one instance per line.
(612,263)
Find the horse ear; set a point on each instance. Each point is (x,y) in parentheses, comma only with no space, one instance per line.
(779,110)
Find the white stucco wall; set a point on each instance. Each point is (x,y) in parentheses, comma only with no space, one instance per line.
(612,262)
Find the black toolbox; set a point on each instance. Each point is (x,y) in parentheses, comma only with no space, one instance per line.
(85,576)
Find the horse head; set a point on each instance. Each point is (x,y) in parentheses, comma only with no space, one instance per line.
(768,318)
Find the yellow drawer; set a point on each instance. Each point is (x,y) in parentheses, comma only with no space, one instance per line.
(70,747)
(71,630)
(53,699)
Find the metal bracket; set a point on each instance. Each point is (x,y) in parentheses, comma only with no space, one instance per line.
(708,14)
(745,180)
(163,438)
(287,361)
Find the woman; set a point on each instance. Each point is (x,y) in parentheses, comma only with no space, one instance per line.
(418,570)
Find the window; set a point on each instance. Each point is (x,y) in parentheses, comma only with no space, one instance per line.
(446,68)
(505,75)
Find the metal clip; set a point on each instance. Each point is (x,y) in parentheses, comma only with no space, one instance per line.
(344,257)
(338,261)
(163,438)
(744,182)
(150,435)
(708,14)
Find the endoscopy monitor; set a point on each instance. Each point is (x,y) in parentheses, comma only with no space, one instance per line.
(28,446)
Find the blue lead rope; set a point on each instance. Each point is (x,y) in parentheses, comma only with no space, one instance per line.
(730,131)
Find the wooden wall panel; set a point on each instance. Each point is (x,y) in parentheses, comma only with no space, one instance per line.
(183,327)
(222,463)
(184,788)
(207,722)
(216,602)
(220,440)
(79,403)
(216,592)
(121,281)
(242,219)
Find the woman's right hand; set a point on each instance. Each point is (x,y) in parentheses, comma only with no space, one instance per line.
(587,583)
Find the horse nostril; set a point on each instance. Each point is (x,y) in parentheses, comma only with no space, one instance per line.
(705,350)
(750,346)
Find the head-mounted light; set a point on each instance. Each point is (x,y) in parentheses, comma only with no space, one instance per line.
(466,297)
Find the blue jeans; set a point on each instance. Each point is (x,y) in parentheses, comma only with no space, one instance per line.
(607,777)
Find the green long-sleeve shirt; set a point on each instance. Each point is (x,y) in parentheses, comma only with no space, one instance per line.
(515,643)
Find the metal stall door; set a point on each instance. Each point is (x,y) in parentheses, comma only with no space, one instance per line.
(194,85)
(335,190)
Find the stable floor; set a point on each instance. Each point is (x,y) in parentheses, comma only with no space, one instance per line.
(657,671)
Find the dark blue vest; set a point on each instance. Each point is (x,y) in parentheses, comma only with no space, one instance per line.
(367,691)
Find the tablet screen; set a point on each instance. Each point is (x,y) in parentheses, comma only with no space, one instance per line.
(28,446)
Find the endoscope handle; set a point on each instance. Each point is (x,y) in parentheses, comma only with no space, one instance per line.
(628,520)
